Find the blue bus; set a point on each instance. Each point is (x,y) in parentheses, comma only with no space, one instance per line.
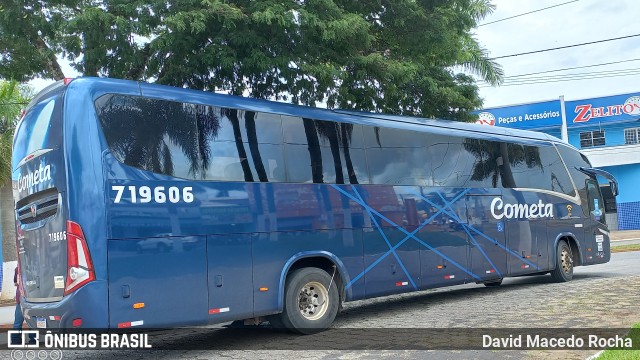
(142,205)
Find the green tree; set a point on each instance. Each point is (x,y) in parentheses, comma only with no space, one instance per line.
(13,98)
(401,56)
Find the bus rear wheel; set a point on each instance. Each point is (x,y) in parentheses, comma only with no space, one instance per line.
(564,263)
(310,301)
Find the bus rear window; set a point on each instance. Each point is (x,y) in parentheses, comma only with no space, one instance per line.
(39,129)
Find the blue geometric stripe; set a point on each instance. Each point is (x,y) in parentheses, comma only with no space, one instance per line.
(455,217)
(409,235)
(475,243)
(464,225)
(502,246)
(448,259)
(375,222)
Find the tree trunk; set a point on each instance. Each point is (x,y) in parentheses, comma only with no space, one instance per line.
(8,223)
(53,68)
(314,150)
(252,138)
(232,115)
(332,133)
(353,179)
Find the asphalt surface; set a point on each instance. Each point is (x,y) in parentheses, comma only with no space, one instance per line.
(605,296)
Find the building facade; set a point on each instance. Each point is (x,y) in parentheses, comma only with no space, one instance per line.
(605,129)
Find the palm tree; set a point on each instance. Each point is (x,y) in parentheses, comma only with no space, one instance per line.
(13,98)
(252,139)
(496,159)
(473,57)
(339,137)
(329,130)
(208,124)
(346,133)
(315,153)
(232,115)
(258,164)
(141,130)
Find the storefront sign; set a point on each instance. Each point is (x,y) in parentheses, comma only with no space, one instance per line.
(603,110)
(528,116)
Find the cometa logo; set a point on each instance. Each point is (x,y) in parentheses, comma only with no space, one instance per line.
(486,118)
(587,112)
(32,179)
(501,210)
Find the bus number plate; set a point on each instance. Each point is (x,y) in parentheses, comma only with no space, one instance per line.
(41,323)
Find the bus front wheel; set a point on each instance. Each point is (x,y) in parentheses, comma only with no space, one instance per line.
(564,263)
(310,301)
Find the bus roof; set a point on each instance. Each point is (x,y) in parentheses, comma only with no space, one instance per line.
(101,86)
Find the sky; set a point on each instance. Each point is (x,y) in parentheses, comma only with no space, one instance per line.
(573,23)
(576,22)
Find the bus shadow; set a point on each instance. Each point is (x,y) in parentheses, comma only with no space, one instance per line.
(348,332)
(408,302)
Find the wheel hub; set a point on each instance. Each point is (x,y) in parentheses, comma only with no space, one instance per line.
(312,300)
(567,261)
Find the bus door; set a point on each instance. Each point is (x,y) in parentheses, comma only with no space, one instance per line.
(526,237)
(486,237)
(530,246)
(595,230)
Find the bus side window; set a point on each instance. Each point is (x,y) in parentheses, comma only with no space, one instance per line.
(315,150)
(396,156)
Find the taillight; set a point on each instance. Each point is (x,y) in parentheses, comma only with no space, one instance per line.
(67,81)
(79,265)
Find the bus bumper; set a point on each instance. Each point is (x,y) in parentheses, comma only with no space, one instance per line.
(88,306)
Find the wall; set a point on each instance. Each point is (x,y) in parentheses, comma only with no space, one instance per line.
(628,202)
(8,289)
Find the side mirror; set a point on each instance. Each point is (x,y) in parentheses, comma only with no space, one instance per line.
(612,181)
(614,187)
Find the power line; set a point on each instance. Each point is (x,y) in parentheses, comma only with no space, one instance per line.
(563,47)
(575,77)
(572,68)
(527,13)
(527,76)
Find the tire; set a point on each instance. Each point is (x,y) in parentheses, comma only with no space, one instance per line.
(493,283)
(563,271)
(310,302)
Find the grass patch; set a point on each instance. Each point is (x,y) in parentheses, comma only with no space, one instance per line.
(625,354)
(624,248)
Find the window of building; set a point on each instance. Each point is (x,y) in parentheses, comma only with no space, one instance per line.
(631,136)
(592,138)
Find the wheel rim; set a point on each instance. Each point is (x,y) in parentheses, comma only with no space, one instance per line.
(567,261)
(313,300)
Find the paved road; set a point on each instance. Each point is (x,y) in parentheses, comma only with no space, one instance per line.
(606,296)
